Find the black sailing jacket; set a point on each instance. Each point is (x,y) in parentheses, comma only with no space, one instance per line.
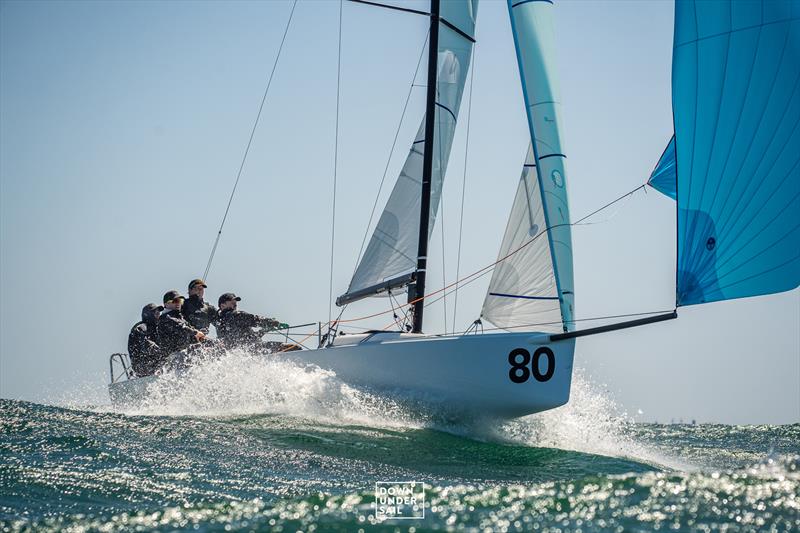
(199,313)
(145,353)
(235,328)
(174,332)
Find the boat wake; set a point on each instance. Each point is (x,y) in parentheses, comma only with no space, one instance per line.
(239,384)
(259,443)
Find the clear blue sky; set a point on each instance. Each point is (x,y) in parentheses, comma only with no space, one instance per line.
(122,125)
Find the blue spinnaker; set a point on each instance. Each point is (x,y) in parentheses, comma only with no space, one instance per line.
(664,178)
(736,104)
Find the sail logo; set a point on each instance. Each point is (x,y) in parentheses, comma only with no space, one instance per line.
(399,500)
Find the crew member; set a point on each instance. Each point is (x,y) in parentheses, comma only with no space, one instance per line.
(174,332)
(237,329)
(197,312)
(145,353)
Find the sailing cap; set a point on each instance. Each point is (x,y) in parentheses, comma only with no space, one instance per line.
(227,297)
(172,295)
(150,311)
(195,282)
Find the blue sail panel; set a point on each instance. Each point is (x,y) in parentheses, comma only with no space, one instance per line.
(736,105)
(664,177)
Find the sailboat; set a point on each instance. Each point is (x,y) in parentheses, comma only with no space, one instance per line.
(733,168)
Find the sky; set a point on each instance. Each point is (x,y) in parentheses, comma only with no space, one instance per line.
(122,126)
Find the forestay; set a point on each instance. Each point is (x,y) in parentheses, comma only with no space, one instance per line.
(534,286)
(391,255)
(736,103)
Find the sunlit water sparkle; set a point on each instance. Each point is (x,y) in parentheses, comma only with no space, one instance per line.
(249,443)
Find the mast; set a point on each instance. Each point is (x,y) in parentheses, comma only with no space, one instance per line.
(427,171)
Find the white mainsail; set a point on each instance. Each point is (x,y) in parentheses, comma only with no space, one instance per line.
(534,286)
(391,255)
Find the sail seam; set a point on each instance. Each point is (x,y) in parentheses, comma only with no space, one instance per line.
(754,255)
(456,29)
(389,159)
(776,267)
(724,76)
(448,110)
(388,6)
(757,128)
(694,41)
(539,177)
(529,1)
(724,212)
(681,229)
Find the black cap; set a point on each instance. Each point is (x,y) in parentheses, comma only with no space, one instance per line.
(227,297)
(150,311)
(196,282)
(172,295)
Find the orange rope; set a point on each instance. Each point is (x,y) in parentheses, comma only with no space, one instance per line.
(412,302)
(476,273)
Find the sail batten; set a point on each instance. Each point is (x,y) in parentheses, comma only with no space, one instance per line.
(533,285)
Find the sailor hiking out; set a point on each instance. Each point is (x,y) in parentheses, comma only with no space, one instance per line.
(174,332)
(197,312)
(145,353)
(240,329)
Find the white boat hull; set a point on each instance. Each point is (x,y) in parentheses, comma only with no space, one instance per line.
(469,375)
(462,373)
(129,391)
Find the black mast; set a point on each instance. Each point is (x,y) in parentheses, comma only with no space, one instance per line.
(427,170)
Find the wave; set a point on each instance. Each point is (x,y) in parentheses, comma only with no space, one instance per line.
(239,384)
(749,499)
(74,469)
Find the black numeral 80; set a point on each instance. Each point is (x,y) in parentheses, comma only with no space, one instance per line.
(520,358)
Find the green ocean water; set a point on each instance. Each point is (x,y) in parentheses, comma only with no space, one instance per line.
(304,452)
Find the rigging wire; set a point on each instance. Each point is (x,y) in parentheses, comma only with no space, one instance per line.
(488,268)
(463,190)
(249,142)
(406,321)
(335,162)
(580,222)
(606,317)
(480,272)
(441,203)
(391,151)
(444,267)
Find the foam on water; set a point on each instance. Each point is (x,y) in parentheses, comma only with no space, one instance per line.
(591,422)
(242,384)
(238,383)
(259,443)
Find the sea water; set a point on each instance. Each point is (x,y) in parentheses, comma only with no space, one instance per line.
(250,443)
